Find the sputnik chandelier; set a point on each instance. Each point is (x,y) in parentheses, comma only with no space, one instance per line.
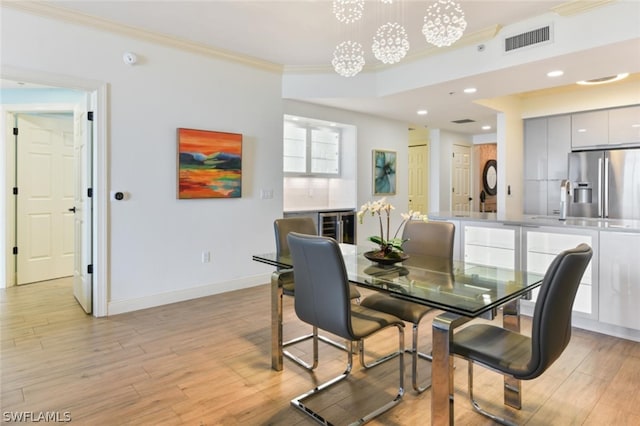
(390,44)
(444,24)
(348,11)
(348,58)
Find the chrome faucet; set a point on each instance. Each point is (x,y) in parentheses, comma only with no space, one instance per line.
(565,196)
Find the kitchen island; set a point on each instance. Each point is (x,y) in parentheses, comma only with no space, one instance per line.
(610,289)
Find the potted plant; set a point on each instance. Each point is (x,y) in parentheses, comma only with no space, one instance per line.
(389,248)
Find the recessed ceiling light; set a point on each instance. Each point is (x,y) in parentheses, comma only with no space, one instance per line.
(486,127)
(603,80)
(556,73)
(470,90)
(422,112)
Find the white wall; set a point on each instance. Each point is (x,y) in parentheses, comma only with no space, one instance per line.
(154,240)
(372,133)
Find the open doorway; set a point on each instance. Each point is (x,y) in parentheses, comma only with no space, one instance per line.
(49,164)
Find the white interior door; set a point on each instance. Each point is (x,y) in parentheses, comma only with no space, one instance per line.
(82,278)
(461,178)
(44,232)
(418,164)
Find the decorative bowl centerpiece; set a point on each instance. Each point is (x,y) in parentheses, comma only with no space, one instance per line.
(389,250)
(389,259)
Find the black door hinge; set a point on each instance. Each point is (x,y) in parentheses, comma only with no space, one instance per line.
(15,250)
(89,269)
(15,190)
(15,131)
(90,192)
(90,115)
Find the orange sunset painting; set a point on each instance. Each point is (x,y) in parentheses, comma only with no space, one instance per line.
(209,163)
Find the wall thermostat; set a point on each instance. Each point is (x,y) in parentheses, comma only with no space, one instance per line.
(129,58)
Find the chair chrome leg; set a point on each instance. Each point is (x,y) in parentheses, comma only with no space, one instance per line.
(414,363)
(479,409)
(377,361)
(299,361)
(333,343)
(315,336)
(299,404)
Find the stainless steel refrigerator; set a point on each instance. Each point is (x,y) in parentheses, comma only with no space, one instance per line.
(605,184)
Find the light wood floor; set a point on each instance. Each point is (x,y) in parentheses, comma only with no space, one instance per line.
(207,362)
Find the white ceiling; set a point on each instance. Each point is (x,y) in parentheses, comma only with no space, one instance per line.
(302,34)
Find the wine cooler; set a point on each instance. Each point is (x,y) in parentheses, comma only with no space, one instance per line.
(340,225)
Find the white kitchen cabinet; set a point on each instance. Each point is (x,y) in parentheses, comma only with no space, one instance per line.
(311,149)
(624,125)
(558,146)
(547,144)
(543,244)
(589,129)
(535,197)
(535,148)
(620,279)
(553,197)
(492,245)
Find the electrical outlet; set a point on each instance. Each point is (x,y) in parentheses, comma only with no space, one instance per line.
(206,257)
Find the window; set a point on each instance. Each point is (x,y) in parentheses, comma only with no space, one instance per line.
(311,147)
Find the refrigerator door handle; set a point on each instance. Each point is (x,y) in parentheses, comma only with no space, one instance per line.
(606,187)
(600,212)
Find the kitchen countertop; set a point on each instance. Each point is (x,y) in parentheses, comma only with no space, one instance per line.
(318,209)
(620,225)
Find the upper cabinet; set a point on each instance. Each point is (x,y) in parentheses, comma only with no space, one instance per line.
(535,149)
(589,129)
(547,142)
(558,146)
(311,149)
(624,125)
(618,126)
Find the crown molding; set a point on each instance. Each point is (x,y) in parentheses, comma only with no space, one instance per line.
(60,13)
(578,6)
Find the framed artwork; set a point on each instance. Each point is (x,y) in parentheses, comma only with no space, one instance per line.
(209,164)
(384,172)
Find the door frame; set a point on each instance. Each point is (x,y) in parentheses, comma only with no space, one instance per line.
(97,93)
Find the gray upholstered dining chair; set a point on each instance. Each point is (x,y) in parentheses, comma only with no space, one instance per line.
(426,240)
(520,356)
(282,228)
(322,300)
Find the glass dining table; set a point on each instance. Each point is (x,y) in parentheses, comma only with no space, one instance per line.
(463,291)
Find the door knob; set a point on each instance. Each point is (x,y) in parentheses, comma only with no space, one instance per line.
(72,209)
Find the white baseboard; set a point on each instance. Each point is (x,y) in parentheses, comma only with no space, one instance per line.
(121,306)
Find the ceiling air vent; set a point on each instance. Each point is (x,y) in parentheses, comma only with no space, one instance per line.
(527,39)
(464,121)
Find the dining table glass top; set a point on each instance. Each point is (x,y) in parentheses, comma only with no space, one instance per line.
(463,288)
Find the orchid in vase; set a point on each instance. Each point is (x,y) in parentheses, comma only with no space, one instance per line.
(388,247)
